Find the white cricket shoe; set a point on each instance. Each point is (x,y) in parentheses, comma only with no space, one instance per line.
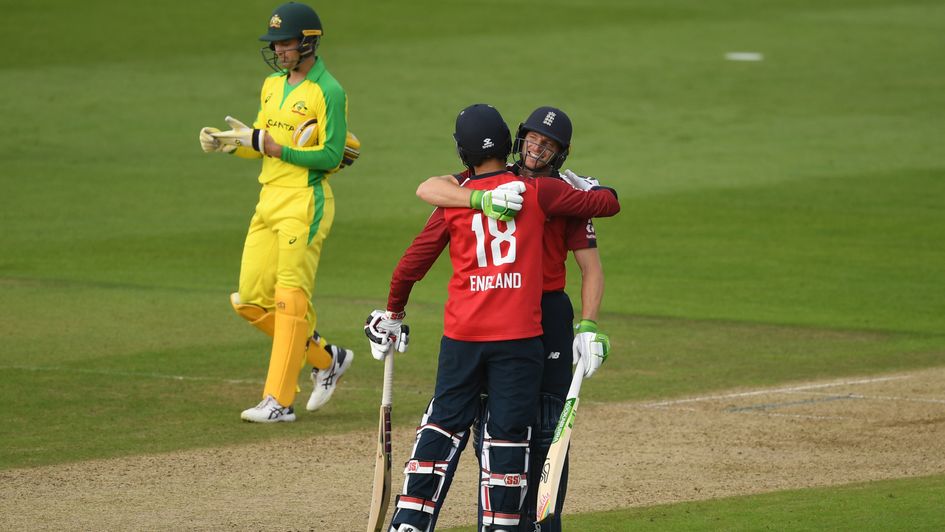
(325,380)
(268,411)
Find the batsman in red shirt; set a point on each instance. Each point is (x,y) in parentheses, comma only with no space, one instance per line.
(492,322)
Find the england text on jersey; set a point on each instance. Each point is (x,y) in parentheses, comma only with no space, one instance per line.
(480,283)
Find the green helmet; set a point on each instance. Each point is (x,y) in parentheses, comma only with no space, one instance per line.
(292,21)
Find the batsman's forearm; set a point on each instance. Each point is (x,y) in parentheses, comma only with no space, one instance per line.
(592,293)
(417,260)
(592,282)
(443,191)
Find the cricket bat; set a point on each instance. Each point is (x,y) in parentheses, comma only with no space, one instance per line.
(380,497)
(554,462)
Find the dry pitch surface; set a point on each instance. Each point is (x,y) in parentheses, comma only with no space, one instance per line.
(626,454)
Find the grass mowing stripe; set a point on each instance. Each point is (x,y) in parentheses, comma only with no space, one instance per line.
(899,504)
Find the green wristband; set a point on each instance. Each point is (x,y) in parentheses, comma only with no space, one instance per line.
(475,199)
(586,326)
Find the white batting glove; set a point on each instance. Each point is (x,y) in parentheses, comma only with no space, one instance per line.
(210,144)
(387,333)
(241,135)
(579,182)
(501,203)
(591,346)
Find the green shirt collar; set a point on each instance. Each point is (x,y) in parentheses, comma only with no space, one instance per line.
(316,71)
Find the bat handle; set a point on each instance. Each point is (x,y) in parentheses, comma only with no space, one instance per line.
(388,380)
(577,379)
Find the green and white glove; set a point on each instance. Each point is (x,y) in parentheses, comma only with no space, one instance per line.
(501,203)
(241,135)
(210,144)
(590,345)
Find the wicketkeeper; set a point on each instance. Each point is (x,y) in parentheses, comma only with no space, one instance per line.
(302,137)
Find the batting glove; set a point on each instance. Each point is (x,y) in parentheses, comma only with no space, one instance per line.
(579,182)
(591,346)
(241,135)
(501,203)
(210,144)
(387,333)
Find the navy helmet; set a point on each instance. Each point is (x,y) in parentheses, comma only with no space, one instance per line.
(481,134)
(552,123)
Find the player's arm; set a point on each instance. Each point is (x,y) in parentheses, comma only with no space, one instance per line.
(557,198)
(590,344)
(385,328)
(332,126)
(247,152)
(417,260)
(501,203)
(592,282)
(444,191)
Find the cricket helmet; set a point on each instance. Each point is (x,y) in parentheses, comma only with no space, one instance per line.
(292,21)
(552,123)
(481,134)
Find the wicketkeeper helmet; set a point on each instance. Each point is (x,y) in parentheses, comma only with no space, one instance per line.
(292,21)
(481,134)
(552,123)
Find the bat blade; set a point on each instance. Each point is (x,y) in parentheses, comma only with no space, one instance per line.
(380,496)
(554,462)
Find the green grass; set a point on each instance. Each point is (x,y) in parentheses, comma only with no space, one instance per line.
(782,220)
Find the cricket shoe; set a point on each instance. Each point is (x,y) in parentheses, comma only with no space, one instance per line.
(326,380)
(268,411)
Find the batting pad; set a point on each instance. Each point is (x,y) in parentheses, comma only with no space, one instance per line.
(288,344)
(258,317)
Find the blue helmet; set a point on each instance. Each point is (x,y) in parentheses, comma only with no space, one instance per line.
(552,123)
(481,134)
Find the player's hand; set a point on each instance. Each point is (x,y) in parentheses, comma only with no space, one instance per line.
(242,135)
(210,144)
(387,333)
(578,181)
(501,203)
(590,345)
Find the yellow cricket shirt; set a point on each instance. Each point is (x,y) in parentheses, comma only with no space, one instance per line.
(282,108)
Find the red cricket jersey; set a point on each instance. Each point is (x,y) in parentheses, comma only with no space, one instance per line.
(561,236)
(495,291)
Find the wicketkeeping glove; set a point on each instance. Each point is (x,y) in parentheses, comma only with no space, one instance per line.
(501,203)
(241,135)
(578,181)
(210,144)
(387,333)
(590,345)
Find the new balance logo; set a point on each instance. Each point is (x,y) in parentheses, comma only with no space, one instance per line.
(554,355)
(487,143)
(549,118)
